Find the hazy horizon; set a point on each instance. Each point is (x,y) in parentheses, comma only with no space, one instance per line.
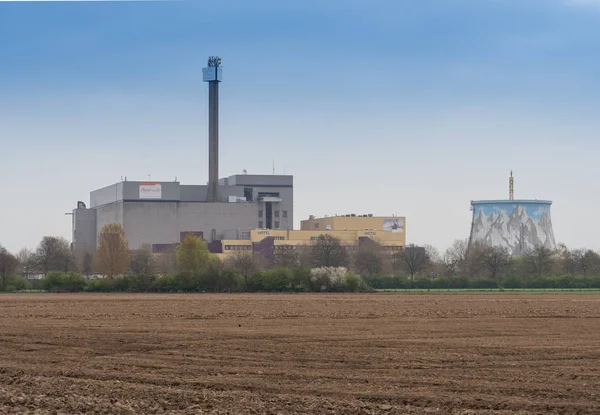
(385,107)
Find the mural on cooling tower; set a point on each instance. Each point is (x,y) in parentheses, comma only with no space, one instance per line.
(516,226)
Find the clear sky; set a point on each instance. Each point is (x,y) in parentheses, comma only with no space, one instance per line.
(412,108)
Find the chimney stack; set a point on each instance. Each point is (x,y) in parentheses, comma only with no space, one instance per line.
(213,75)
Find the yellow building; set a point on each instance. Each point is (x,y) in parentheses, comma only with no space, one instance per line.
(389,232)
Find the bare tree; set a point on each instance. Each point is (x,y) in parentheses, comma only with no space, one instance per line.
(53,254)
(245,263)
(141,261)
(26,259)
(304,255)
(437,266)
(539,260)
(167,261)
(112,254)
(588,262)
(369,260)
(495,259)
(412,260)
(8,266)
(287,256)
(567,261)
(456,257)
(327,251)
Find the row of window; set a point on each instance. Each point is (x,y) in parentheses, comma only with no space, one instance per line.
(238,247)
(284,213)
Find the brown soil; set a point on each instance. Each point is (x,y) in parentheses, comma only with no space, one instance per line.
(291,354)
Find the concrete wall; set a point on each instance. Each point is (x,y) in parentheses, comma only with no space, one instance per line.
(193,193)
(108,214)
(252,180)
(162,222)
(106,195)
(84,232)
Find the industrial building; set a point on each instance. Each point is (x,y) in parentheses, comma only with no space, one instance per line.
(237,213)
(351,230)
(517,225)
(160,214)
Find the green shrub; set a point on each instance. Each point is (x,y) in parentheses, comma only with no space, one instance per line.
(352,283)
(63,282)
(16,283)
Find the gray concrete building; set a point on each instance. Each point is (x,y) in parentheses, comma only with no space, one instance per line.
(161,213)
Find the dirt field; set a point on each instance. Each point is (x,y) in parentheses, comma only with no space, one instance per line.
(290,354)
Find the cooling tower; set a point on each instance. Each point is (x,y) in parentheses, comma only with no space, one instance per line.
(518,225)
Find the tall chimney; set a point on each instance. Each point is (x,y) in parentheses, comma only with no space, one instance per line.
(213,74)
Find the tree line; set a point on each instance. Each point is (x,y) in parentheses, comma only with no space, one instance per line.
(324,265)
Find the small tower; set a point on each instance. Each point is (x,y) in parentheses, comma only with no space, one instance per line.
(511,187)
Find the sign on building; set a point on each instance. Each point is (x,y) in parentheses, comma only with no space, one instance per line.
(393,225)
(150,190)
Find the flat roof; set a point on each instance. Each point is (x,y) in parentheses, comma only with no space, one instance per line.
(511,202)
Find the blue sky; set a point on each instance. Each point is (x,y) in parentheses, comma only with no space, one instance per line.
(412,108)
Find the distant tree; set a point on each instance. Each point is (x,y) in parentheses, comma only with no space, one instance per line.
(8,266)
(370,258)
(436,263)
(496,259)
(327,251)
(588,262)
(141,261)
(539,261)
(304,255)
(112,255)
(474,265)
(566,260)
(166,261)
(218,276)
(26,259)
(88,264)
(412,260)
(192,254)
(245,264)
(287,256)
(456,257)
(53,254)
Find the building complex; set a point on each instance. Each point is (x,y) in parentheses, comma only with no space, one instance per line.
(237,213)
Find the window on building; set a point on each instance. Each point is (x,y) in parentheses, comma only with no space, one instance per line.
(317,225)
(248,194)
(278,238)
(314,238)
(260,213)
(285,214)
(261,224)
(276,224)
(276,213)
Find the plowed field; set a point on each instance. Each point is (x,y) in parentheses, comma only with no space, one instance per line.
(291,354)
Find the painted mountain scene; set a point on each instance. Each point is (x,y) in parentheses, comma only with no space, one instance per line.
(519,227)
